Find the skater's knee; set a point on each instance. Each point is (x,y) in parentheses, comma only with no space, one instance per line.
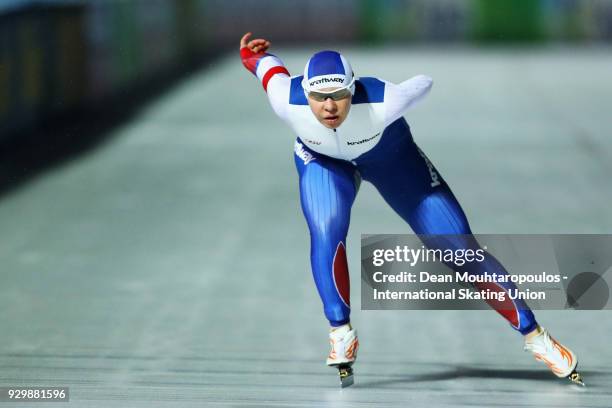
(326,226)
(439,213)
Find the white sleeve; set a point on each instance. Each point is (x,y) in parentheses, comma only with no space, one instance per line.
(278,94)
(272,74)
(398,98)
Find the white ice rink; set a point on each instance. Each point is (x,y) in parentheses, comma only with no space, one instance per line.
(169,267)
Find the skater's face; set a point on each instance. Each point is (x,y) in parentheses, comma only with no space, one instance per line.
(331,113)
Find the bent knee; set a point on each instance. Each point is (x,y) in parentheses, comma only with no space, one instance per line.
(328,227)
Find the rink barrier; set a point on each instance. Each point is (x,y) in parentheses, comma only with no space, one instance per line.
(59,58)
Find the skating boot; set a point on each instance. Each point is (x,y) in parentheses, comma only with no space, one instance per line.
(561,360)
(344,345)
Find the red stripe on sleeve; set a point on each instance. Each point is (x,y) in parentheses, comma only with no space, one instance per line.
(271,72)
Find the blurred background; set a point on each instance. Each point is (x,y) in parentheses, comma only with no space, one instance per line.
(60,55)
(152,247)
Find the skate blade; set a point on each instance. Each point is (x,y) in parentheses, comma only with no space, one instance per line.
(346,376)
(576,378)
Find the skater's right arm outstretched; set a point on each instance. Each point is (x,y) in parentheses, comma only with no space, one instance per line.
(268,68)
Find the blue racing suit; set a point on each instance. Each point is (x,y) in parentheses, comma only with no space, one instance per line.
(374,144)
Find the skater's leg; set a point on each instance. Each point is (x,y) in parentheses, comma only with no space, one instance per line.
(327,190)
(415,190)
(413,187)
